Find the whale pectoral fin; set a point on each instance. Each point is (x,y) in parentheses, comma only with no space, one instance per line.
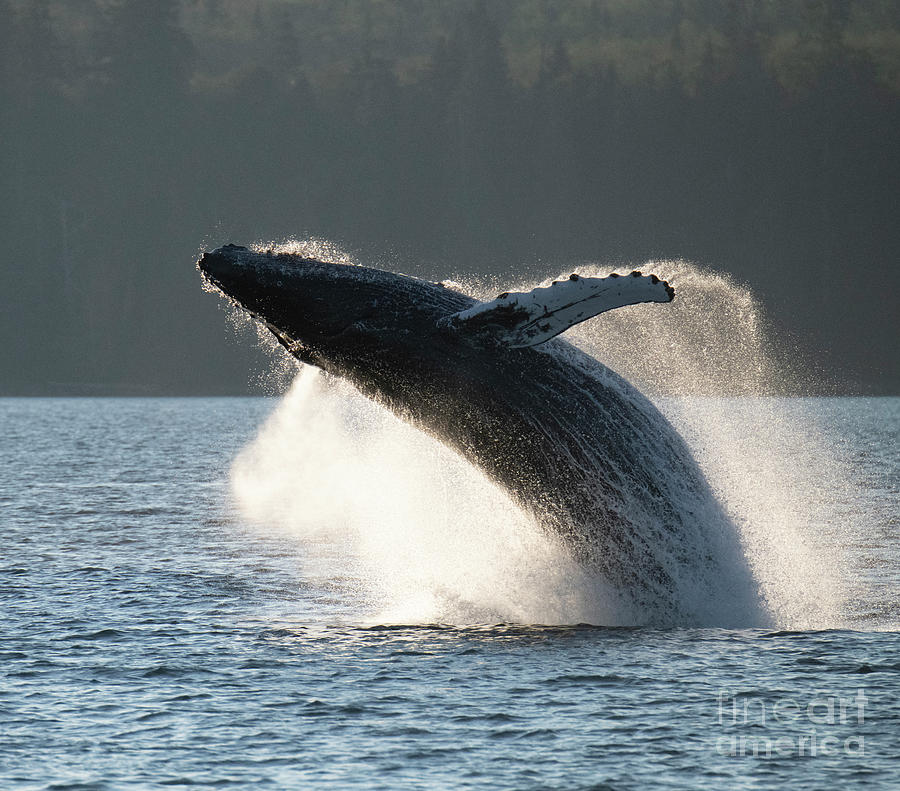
(529,318)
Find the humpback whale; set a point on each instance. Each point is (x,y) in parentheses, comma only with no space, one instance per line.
(573,443)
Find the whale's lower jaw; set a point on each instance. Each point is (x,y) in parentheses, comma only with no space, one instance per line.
(573,443)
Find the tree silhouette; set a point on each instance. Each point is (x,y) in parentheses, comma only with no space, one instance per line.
(758,137)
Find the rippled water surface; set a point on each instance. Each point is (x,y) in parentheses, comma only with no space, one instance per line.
(153,637)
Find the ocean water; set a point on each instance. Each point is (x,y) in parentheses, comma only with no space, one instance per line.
(302,593)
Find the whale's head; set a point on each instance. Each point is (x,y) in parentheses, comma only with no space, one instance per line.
(329,314)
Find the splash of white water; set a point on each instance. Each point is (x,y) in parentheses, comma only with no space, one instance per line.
(706,362)
(429,539)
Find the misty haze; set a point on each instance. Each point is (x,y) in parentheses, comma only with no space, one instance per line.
(508,139)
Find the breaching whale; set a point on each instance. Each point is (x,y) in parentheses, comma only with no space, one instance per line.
(572,442)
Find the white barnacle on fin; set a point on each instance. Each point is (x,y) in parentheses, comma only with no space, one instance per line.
(519,319)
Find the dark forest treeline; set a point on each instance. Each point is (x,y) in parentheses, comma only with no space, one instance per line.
(436,138)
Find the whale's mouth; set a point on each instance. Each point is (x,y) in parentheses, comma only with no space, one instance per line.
(214,271)
(212,285)
(282,300)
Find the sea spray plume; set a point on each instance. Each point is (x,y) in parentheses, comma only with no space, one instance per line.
(395,518)
(768,459)
(574,444)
